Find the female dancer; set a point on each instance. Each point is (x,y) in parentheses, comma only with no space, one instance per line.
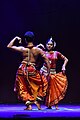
(57,82)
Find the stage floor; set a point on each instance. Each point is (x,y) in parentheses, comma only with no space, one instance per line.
(14,111)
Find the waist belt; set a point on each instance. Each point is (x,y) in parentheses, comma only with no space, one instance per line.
(28,63)
(52,70)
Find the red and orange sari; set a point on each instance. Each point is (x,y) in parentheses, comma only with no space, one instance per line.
(29,83)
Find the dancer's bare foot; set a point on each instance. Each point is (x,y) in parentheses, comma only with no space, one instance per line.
(29,107)
(38,105)
(56,106)
(49,107)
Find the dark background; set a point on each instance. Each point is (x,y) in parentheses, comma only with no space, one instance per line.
(59,18)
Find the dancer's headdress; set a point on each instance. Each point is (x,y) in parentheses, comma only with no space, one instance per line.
(51,39)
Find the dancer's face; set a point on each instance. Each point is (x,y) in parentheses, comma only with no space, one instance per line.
(49,45)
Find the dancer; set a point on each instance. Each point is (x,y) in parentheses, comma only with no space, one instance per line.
(57,82)
(30,85)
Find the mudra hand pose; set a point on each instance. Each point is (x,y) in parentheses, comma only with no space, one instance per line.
(30,85)
(57,82)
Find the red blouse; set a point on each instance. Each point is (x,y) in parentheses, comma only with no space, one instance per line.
(53,56)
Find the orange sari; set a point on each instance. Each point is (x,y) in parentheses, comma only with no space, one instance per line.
(56,89)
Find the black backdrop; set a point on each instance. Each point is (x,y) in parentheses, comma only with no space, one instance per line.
(59,18)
